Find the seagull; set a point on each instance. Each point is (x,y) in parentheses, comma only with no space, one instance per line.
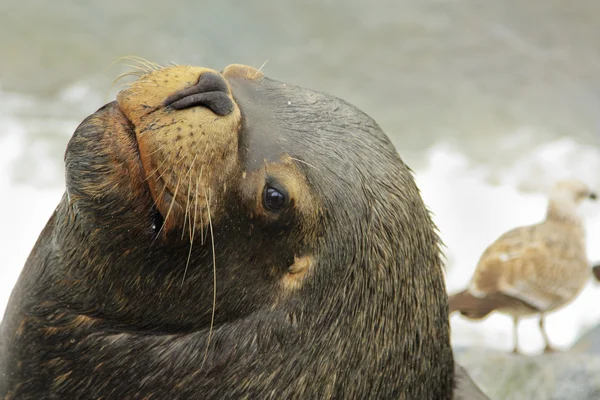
(533,269)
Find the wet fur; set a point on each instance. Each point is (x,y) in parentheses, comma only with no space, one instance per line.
(100,310)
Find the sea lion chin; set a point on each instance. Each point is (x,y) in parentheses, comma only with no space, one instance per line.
(227,235)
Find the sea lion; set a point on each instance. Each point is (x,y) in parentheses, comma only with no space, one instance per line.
(226,235)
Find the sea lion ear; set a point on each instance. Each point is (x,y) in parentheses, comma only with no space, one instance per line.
(103,172)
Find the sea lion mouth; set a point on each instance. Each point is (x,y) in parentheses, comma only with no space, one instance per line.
(186,126)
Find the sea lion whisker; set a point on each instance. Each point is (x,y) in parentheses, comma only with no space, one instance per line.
(209,227)
(191,220)
(173,200)
(170,208)
(157,150)
(116,60)
(203,154)
(126,85)
(187,202)
(124,75)
(191,166)
(214,306)
(195,208)
(180,159)
(187,213)
(131,58)
(206,234)
(304,162)
(187,263)
(118,78)
(139,74)
(122,85)
(164,186)
(203,233)
(260,69)
(202,236)
(119,59)
(144,62)
(137,70)
(160,195)
(156,201)
(192,233)
(156,170)
(159,177)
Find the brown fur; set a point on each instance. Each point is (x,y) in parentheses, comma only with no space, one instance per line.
(163,274)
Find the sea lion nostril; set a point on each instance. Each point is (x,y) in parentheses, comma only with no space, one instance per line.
(218,102)
(210,91)
(212,82)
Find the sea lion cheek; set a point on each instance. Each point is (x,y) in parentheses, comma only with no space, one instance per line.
(104,175)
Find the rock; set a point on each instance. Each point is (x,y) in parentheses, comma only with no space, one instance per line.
(569,375)
(589,342)
(464,387)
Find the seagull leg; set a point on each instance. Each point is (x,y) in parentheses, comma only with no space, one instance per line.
(548,348)
(516,335)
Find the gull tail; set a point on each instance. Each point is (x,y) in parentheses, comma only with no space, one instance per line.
(471,306)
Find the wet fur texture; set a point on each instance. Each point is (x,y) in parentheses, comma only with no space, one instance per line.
(102,309)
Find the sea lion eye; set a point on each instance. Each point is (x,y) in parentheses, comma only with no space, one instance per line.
(273,199)
(157,221)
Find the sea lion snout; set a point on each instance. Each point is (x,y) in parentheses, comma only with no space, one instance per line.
(210,91)
(186,125)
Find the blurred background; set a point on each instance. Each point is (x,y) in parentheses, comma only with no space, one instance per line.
(490,102)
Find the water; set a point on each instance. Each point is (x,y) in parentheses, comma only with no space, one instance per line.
(490,102)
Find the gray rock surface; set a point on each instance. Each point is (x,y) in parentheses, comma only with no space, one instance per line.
(589,342)
(569,375)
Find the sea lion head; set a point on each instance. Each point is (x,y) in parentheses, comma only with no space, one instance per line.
(276,223)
